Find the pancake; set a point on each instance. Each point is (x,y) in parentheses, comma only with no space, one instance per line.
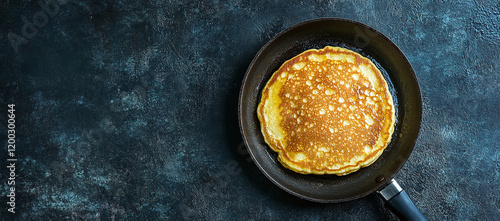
(327,111)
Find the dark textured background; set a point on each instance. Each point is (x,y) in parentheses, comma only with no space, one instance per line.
(127,110)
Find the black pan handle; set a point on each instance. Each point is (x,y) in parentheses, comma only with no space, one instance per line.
(398,201)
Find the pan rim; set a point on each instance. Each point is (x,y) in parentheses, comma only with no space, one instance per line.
(247,77)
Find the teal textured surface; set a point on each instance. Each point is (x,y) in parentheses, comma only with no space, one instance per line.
(127,110)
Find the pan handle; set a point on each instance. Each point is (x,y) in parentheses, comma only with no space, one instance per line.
(398,201)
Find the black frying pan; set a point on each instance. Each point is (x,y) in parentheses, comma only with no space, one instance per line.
(399,74)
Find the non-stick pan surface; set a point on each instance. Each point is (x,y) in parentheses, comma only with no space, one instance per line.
(318,33)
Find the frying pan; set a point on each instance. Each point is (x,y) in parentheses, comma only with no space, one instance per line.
(403,84)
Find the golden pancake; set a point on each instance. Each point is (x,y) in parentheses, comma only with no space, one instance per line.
(327,111)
